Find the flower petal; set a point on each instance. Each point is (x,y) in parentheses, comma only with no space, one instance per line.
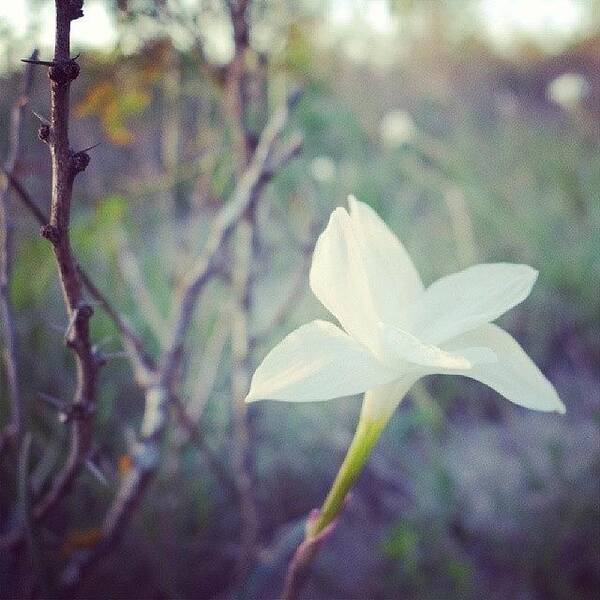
(318,361)
(465,300)
(402,347)
(514,375)
(362,274)
(339,279)
(393,278)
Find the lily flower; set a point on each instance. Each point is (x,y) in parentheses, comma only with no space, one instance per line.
(395,331)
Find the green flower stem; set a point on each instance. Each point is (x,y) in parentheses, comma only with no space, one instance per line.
(366,436)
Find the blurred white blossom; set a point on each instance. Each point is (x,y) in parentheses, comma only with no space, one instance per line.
(323,169)
(568,90)
(397,128)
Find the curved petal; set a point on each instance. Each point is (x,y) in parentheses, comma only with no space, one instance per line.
(403,347)
(465,300)
(362,274)
(514,375)
(318,361)
(339,279)
(393,278)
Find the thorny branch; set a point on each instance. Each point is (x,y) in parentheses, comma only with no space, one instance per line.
(12,432)
(65,166)
(157,377)
(266,160)
(131,340)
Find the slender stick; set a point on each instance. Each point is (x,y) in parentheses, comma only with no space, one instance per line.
(244,243)
(131,340)
(13,430)
(235,84)
(65,166)
(133,276)
(240,379)
(257,174)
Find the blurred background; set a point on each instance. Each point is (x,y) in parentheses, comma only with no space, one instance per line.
(473,128)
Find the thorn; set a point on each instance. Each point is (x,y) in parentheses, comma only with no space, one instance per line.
(47,63)
(88,149)
(44,133)
(44,130)
(42,119)
(76,9)
(64,73)
(80,161)
(35,61)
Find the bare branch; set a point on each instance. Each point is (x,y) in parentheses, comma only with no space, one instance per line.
(295,293)
(240,376)
(132,274)
(245,246)
(236,84)
(211,359)
(158,378)
(244,194)
(65,166)
(133,343)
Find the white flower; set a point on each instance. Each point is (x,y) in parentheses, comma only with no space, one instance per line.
(397,128)
(568,89)
(323,169)
(394,330)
